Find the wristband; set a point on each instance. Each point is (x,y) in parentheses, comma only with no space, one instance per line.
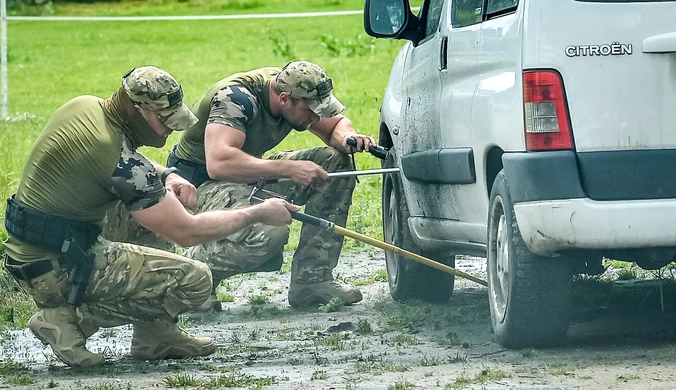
(167,172)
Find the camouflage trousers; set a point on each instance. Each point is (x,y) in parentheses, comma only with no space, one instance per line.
(318,250)
(129,283)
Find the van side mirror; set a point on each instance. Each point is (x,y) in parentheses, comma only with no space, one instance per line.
(389,19)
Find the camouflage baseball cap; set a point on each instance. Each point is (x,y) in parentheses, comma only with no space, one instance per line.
(156,90)
(305,80)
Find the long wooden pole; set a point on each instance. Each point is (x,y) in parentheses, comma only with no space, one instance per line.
(330,226)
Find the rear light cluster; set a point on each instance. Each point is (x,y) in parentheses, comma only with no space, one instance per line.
(545,113)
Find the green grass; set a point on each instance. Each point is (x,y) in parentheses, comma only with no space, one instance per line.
(12,368)
(258,300)
(21,380)
(335,304)
(407,317)
(403,385)
(378,276)
(204,7)
(404,339)
(238,380)
(190,7)
(484,376)
(74,58)
(15,307)
(428,361)
(364,327)
(107,385)
(319,375)
(335,341)
(181,380)
(379,367)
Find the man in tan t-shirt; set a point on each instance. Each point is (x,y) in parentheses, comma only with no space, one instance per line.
(241,118)
(85,161)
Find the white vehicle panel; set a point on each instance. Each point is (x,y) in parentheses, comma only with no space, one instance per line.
(550,226)
(496,114)
(618,96)
(392,110)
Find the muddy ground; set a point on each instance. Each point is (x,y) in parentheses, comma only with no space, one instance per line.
(621,337)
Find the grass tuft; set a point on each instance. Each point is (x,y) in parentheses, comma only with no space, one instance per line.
(364,327)
(484,376)
(182,380)
(404,385)
(335,304)
(11,367)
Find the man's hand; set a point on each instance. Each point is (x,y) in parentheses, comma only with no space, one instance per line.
(308,173)
(183,189)
(364,142)
(275,212)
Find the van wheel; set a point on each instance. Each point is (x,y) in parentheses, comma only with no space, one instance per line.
(529,295)
(407,278)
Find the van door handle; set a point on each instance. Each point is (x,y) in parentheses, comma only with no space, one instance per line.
(661,43)
(443,54)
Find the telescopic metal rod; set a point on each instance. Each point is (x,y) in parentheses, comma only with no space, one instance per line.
(334,174)
(364,172)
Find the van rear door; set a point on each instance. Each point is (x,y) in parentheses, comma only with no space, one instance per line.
(618,63)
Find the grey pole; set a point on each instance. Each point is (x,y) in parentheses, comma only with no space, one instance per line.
(364,172)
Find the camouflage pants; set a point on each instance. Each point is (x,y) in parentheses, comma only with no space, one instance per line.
(318,250)
(129,283)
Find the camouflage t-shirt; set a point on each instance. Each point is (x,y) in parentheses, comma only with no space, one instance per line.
(79,166)
(240,101)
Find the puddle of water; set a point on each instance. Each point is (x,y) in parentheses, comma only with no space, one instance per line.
(22,347)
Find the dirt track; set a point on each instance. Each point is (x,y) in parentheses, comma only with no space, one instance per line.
(619,338)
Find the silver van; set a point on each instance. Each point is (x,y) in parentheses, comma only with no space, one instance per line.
(540,134)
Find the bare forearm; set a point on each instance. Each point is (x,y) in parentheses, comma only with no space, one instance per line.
(214,225)
(333,131)
(237,166)
(342,130)
(170,220)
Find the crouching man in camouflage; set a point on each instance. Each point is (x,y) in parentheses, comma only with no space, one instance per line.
(240,119)
(83,162)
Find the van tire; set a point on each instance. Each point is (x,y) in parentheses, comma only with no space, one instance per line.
(408,279)
(529,295)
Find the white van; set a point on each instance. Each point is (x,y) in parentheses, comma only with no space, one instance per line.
(538,133)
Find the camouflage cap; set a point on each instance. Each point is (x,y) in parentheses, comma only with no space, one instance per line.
(156,90)
(305,80)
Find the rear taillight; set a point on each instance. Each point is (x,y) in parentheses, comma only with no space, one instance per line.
(546,117)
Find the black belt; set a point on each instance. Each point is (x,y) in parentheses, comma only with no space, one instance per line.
(44,230)
(29,270)
(193,172)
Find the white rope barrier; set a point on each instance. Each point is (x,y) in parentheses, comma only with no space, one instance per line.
(183,17)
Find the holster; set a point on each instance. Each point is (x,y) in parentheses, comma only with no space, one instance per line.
(73,239)
(193,172)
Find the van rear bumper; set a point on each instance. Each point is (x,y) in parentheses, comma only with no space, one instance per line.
(554,225)
(593,200)
(603,175)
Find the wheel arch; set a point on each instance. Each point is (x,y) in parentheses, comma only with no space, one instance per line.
(384,136)
(493,166)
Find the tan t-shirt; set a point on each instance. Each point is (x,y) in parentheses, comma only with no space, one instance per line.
(240,101)
(79,166)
